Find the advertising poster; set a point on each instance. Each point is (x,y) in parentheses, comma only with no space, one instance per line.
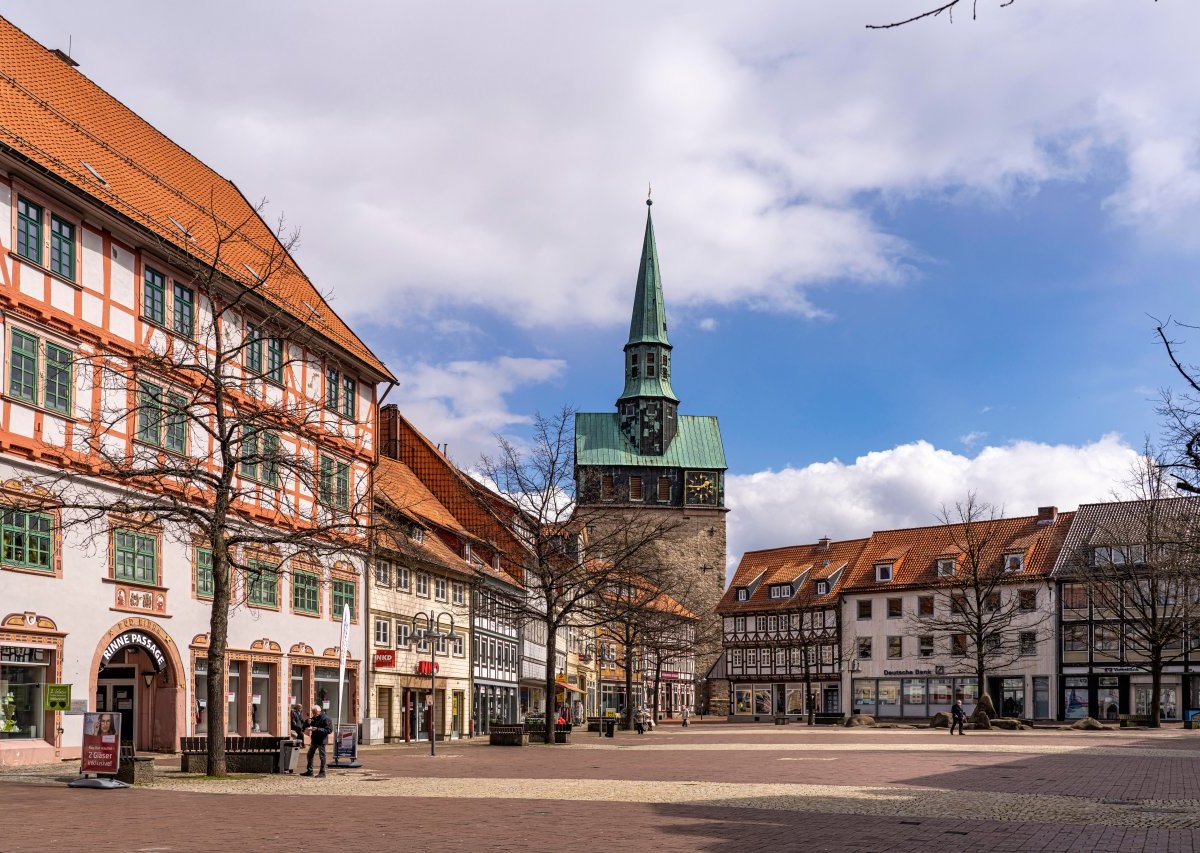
(346,743)
(101,742)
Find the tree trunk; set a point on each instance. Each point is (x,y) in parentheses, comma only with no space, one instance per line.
(628,712)
(1156,668)
(218,640)
(551,712)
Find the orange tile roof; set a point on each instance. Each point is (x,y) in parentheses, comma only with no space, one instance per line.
(785,565)
(57,119)
(922,546)
(396,484)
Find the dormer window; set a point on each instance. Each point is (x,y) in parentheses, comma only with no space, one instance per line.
(1014,562)
(743,594)
(781,590)
(946,567)
(883,572)
(822,587)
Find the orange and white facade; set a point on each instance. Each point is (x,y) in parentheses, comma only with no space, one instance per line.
(94,203)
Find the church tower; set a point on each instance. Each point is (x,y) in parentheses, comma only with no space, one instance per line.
(646,456)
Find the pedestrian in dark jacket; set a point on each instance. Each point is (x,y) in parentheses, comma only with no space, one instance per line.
(957,717)
(318,728)
(297,723)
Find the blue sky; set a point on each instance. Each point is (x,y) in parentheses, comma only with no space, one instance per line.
(898,265)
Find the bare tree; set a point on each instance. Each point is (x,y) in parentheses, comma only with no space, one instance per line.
(970,606)
(948,8)
(576,557)
(203,433)
(1139,560)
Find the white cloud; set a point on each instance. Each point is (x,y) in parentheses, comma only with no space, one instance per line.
(494,154)
(972,438)
(907,485)
(707,324)
(463,403)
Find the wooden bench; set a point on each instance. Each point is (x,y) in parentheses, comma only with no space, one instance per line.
(827,719)
(1129,721)
(257,754)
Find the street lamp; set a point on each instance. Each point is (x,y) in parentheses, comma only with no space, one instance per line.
(428,626)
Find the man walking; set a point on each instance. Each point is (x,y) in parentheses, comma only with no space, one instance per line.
(297,722)
(957,717)
(318,728)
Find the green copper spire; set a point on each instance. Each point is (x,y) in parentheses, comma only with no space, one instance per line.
(649,322)
(648,352)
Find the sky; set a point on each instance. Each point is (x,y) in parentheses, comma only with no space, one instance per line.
(899,265)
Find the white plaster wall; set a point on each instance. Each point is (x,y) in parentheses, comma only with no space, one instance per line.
(80,604)
(5,214)
(121,278)
(62,295)
(33,280)
(91,261)
(93,309)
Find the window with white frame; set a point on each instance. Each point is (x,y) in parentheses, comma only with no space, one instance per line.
(781,590)
(458,593)
(822,587)
(751,657)
(403,578)
(736,657)
(383,632)
(946,567)
(422,585)
(439,589)
(739,623)
(402,634)
(883,572)
(772,623)
(760,623)
(1014,562)
(458,646)
(780,658)
(743,594)
(383,573)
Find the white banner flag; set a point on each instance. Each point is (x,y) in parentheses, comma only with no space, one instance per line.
(343,649)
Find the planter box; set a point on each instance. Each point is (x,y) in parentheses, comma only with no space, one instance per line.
(136,771)
(507,736)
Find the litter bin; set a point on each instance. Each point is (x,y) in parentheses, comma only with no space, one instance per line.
(610,728)
(289,755)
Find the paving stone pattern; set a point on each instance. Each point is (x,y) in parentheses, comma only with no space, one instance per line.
(712,788)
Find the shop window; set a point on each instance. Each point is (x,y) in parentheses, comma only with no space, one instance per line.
(925,605)
(864,609)
(23,677)
(925,646)
(28,540)
(261,700)
(205,583)
(31,358)
(135,557)
(895,608)
(895,648)
(233,697)
(864,648)
(305,593)
(344,595)
(325,690)
(200,692)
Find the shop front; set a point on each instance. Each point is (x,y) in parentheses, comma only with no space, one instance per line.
(1105,693)
(494,702)
(137,672)
(31,654)
(785,699)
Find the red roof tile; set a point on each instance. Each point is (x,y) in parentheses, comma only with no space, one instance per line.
(56,118)
(786,565)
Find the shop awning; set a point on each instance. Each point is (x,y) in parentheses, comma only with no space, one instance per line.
(574,688)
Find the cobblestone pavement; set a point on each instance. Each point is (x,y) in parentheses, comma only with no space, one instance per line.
(712,788)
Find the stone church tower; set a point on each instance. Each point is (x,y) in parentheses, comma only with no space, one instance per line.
(645,455)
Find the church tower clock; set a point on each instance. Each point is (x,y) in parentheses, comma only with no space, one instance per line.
(646,455)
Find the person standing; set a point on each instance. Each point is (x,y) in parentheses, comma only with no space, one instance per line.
(639,721)
(318,728)
(957,718)
(687,713)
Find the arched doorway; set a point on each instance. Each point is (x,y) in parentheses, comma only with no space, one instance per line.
(137,673)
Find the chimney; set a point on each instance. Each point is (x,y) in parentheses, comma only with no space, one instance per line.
(1047,514)
(389,430)
(823,543)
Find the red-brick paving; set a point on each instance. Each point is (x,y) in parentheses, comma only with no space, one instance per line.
(34,817)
